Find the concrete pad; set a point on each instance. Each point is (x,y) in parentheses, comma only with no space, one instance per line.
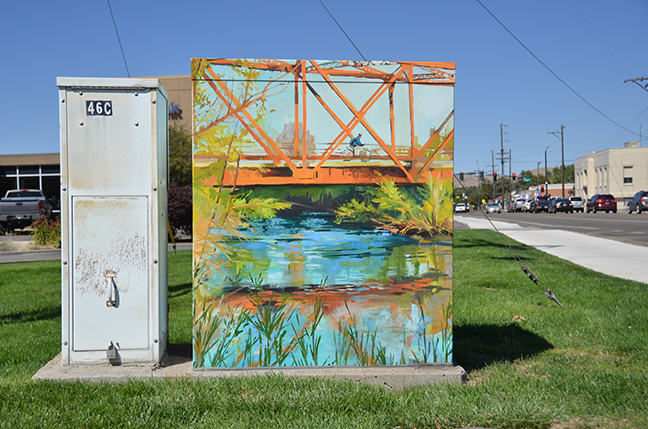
(178,365)
(614,258)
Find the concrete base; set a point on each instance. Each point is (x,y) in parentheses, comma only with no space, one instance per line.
(178,364)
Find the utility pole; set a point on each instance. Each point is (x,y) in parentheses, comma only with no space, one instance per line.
(502,154)
(510,177)
(562,149)
(640,79)
(493,165)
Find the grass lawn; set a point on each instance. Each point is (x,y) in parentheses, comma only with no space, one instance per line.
(531,363)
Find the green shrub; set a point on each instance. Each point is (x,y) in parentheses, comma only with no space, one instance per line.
(47,232)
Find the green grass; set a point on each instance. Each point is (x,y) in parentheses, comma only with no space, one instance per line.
(581,366)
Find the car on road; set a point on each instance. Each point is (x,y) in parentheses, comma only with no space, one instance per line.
(493,208)
(519,205)
(461,208)
(527,205)
(578,203)
(562,205)
(601,202)
(540,204)
(638,203)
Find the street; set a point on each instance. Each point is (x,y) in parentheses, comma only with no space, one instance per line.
(618,226)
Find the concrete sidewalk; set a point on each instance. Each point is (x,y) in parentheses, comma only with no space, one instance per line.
(605,256)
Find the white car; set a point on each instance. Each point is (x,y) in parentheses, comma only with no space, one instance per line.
(461,208)
(493,208)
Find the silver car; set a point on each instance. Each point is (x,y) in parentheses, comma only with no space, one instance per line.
(493,208)
(577,202)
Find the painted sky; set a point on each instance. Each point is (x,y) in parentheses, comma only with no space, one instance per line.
(592,45)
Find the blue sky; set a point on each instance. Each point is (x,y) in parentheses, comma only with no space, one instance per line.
(498,81)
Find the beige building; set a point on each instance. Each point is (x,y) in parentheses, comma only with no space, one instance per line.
(621,172)
(180,101)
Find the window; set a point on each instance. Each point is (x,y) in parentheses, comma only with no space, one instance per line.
(627,175)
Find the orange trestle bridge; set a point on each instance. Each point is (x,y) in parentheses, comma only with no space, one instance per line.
(300,163)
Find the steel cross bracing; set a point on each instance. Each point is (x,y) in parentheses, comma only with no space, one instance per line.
(404,164)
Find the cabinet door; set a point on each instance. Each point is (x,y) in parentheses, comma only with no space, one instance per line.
(110,273)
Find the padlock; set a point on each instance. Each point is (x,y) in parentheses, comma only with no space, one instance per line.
(111,353)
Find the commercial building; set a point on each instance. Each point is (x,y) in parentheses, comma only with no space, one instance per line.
(621,172)
(32,171)
(43,171)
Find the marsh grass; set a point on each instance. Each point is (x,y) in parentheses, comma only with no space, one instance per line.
(580,366)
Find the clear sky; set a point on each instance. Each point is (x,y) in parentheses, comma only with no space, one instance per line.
(592,45)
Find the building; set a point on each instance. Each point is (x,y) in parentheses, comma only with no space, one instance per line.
(43,171)
(180,99)
(621,172)
(32,171)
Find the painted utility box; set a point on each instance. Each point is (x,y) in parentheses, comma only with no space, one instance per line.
(323,213)
(114,156)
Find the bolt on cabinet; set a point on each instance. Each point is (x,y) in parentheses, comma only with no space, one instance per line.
(114,155)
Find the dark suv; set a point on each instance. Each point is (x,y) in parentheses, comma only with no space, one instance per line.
(540,204)
(601,202)
(638,203)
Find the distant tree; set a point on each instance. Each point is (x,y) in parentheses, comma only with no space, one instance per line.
(180,198)
(179,155)
(535,179)
(180,208)
(556,174)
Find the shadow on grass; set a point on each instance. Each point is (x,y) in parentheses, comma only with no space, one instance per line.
(179,290)
(45,313)
(477,346)
(479,243)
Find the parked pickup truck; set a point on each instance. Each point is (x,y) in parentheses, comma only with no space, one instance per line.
(20,207)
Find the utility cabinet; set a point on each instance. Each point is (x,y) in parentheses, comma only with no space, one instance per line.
(114,156)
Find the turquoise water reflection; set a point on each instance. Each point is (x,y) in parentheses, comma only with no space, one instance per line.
(310,250)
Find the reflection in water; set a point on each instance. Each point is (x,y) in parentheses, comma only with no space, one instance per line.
(310,250)
(330,295)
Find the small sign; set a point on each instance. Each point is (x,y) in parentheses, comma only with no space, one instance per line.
(99,108)
(526,179)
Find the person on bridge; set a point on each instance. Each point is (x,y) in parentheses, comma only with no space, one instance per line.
(355,142)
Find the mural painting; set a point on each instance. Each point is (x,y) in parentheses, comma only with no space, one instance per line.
(322,212)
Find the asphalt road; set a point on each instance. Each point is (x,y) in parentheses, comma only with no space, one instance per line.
(618,226)
(7,257)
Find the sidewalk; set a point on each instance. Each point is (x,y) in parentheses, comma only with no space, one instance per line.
(605,256)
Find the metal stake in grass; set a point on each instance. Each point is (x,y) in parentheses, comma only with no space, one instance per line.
(547,292)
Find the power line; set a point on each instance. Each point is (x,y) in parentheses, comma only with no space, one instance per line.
(347,36)
(118,39)
(553,73)
(597,36)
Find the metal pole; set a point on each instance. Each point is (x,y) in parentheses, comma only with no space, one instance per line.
(510,176)
(502,156)
(562,147)
(546,177)
(493,164)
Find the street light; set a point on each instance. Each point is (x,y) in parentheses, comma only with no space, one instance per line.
(546,178)
(538,169)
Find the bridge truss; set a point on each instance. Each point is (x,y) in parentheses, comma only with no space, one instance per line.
(248,102)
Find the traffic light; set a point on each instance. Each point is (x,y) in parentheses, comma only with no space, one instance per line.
(481,175)
(542,189)
(494,177)
(461,176)
(513,176)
